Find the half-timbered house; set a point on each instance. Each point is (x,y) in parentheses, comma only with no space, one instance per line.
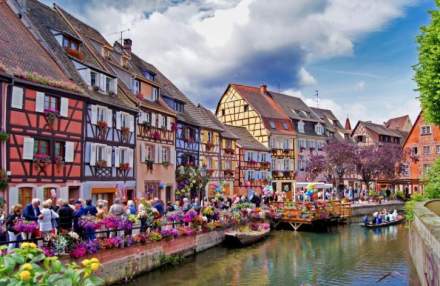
(108,132)
(253,168)
(255,109)
(42,112)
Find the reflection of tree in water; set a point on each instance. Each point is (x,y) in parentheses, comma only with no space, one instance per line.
(342,257)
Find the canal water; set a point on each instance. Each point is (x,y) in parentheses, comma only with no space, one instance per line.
(346,255)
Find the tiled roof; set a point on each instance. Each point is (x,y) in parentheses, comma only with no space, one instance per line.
(210,120)
(398,122)
(245,139)
(380,129)
(295,107)
(43,20)
(327,116)
(20,50)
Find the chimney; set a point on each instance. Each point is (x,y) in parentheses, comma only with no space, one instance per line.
(263,89)
(347,124)
(127,46)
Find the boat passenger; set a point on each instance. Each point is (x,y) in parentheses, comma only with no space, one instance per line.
(366,220)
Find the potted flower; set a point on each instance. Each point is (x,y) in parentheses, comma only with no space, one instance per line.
(59,162)
(101,164)
(41,161)
(124,166)
(125,133)
(51,116)
(102,127)
(165,164)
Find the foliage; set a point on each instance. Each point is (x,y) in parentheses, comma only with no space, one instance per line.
(172,260)
(28,265)
(189,179)
(3,136)
(427,71)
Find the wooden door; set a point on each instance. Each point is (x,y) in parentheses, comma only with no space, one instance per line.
(25,196)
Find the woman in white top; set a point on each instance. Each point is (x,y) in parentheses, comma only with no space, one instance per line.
(46,217)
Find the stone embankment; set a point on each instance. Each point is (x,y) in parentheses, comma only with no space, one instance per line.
(360,210)
(424,242)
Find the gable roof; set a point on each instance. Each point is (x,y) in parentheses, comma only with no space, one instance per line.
(419,117)
(398,123)
(378,129)
(21,52)
(210,120)
(245,139)
(327,116)
(295,107)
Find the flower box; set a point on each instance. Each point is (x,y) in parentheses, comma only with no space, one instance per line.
(101,164)
(156,135)
(41,161)
(51,116)
(209,146)
(124,166)
(74,53)
(165,164)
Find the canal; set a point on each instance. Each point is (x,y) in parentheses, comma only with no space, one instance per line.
(346,255)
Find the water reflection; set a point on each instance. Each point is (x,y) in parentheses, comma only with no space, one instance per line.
(349,255)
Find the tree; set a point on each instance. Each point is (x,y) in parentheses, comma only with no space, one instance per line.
(427,71)
(432,181)
(375,162)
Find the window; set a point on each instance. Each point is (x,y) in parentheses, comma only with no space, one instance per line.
(437,149)
(210,137)
(149,75)
(51,103)
(25,196)
(59,149)
(149,152)
(101,113)
(108,82)
(100,153)
(286,144)
(425,130)
(404,170)
(223,112)
(166,154)
(272,124)
(246,107)
(301,126)
(163,122)
(178,107)
(135,86)
(426,150)
(426,168)
(319,129)
(263,157)
(414,150)
(70,43)
(155,94)
(286,164)
(285,125)
(42,147)
(94,79)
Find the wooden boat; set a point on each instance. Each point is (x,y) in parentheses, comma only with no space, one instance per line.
(384,224)
(240,239)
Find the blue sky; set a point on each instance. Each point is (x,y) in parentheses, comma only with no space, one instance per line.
(357,53)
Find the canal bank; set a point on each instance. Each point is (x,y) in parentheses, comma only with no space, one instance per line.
(424,242)
(358,211)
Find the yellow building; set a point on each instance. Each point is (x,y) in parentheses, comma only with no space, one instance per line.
(255,109)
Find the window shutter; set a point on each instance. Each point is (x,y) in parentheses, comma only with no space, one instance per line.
(102,82)
(153,119)
(131,122)
(28,148)
(269,157)
(173,156)
(118,120)
(92,154)
(17,97)
(130,158)
(109,117)
(117,156)
(109,151)
(169,123)
(85,75)
(114,85)
(94,115)
(159,154)
(39,102)
(159,120)
(64,107)
(69,152)
(142,155)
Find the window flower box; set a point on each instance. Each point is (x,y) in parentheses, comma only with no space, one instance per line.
(102,128)
(124,166)
(51,116)
(41,161)
(125,134)
(59,162)
(209,146)
(74,53)
(165,164)
(156,135)
(101,164)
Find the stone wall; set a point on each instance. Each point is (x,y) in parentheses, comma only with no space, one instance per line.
(424,245)
(359,211)
(123,264)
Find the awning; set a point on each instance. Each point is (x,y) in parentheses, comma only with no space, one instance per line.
(318,185)
(103,190)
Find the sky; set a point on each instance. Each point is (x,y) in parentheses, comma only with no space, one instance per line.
(358,54)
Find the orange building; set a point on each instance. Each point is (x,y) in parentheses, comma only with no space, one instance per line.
(421,149)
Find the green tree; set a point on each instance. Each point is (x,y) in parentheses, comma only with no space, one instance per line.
(432,181)
(427,71)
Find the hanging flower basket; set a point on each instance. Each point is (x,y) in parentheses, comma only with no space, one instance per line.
(124,166)
(150,164)
(41,161)
(165,164)
(59,162)
(51,116)
(102,128)
(125,133)
(209,146)
(3,136)
(3,180)
(101,164)
(156,135)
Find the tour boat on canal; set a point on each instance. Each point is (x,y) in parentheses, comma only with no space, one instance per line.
(398,220)
(247,235)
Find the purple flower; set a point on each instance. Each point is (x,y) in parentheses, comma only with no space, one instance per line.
(78,251)
(169,233)
(92,246)
(25,226)
(189,216)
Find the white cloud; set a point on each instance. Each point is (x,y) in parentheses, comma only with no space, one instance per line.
(204,44)
(360,85)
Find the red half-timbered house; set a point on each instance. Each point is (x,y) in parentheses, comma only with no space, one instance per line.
(42,113)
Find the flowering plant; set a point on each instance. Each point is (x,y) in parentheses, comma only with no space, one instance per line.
(88,223)
(92,246)
(110,221)
(175,217)
(169,233)
(78,251)
(154,236)
(25,226)
(185,231)
(140,238)
(111,242)
(189,216)
(125,224)
(208,211)
(132,218)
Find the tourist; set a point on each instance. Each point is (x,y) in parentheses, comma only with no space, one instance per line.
(158,205)
(90,209)
(131,208)
(101,209)
(77,214)
(32,211)
(46,219)
(11,220)
(3,232)
(65,214)
(117,209)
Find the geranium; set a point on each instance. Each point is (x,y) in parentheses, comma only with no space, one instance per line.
(111,222)
(88,223)
(175,217)
(78,251)
(169,233)
(189,216)
(25,226)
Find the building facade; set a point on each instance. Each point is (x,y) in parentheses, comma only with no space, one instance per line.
(255,109)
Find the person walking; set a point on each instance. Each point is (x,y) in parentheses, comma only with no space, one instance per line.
(65,216)
(46,219)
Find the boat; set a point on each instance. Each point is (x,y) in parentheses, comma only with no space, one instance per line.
(245,238)
(399,219)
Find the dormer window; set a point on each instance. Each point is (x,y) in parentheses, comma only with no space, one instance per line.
(155,94)
(272,124)
(135,86)
(285,125)
(149,75)
(106,52)
(319,129)
(301,126)
(71,46)
(124,60)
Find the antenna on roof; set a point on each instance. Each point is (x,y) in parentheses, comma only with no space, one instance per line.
(121,33)
(317,98)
